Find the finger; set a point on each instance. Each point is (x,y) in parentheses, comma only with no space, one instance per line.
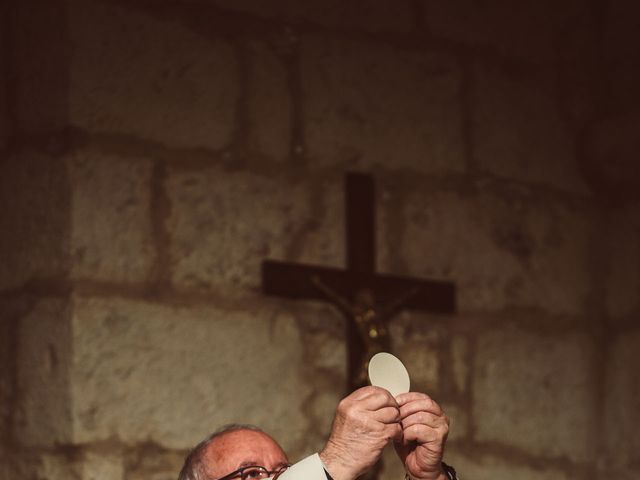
(423,403)
(422,434)
(408,397)
(393,431)
(387,415)
(425,418)
(373,398)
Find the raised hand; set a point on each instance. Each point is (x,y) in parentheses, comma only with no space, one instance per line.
(424,433)
(364,423)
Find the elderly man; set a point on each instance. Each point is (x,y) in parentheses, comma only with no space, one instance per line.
(365,421)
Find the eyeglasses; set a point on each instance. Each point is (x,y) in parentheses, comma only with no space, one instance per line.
(254,472)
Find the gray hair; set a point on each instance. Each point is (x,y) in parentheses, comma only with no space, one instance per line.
(194,467)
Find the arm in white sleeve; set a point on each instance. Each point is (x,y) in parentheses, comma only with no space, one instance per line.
(310,468)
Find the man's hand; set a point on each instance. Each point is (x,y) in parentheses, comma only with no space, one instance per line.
(365,421)
(424,433)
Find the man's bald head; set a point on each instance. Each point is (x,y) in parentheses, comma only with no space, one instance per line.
(231,448)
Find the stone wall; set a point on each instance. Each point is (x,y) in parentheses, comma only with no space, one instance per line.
(154,153)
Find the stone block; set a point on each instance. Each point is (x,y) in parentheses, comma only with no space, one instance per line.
(491,467)
(623,279)
(95,466)
(35,221)
(154,464)
(269,103)
(170,375)
(323,334)
(45,466)
(519,132)
(528,31)
(58,466)
(149,76)
(41,74)
(622,402)
(43,400)
(422,362)
(6,373)
(369,15)
(111,236)
(322,408)
(409,117)
(536,393)
(224,224)
(500,248)
(11,310)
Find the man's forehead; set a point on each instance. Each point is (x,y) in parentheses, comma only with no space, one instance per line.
(238,448)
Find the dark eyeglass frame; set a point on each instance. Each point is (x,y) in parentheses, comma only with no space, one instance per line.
(239,472)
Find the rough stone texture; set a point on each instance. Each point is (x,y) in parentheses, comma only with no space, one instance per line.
(623,280)
(41,74)
(224,224)
(12,308)
(519,134)
(422,364)
(149,77)
(408,117)
(178,373)
(530,31)
(489,467)
(110,216)
(413,326)
(460,362)
(524,380)
(323,335)
(458,421)
(322,239)
(609,156)
(43,415)
(34,223)
(501,250)
(98,466)
(6,372)
(368,15)
(154,464)
(321,410)
(622,403)
(55,466)
(269,103)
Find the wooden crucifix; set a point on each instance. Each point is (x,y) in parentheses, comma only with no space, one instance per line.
(366,298)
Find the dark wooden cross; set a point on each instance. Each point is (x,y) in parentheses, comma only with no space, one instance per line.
(368,299)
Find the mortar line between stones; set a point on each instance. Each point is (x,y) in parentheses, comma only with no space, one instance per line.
(221,21)
(479,450)
(292,63)
(602,334)
(160,211)
(196,158)
(242,129)
(467,100)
